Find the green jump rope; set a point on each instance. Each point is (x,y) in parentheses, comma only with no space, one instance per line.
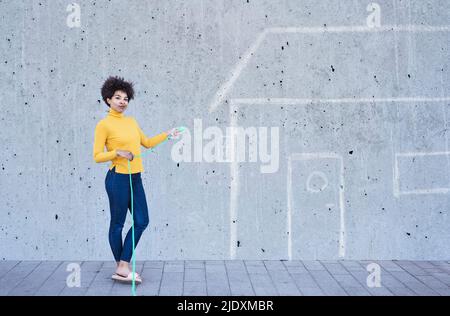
(180,130)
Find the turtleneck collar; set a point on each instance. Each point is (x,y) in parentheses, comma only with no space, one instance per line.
(115,113)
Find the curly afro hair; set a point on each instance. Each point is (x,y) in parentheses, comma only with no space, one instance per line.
(112,84)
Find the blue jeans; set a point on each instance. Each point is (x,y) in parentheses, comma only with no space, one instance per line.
(119,195)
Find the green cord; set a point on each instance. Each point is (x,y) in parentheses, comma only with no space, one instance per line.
(133,258)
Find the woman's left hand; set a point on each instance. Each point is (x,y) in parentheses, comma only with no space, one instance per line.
(173,133)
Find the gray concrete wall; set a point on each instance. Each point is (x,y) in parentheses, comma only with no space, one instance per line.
(362,112)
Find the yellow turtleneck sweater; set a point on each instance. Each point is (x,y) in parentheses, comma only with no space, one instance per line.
(119,132)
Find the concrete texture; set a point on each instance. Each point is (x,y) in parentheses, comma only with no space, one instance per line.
(229,278)
(362,113)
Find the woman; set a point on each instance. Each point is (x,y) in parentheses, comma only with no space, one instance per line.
(123,138)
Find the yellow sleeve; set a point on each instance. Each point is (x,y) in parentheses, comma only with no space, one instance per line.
(149,142)
(99,145)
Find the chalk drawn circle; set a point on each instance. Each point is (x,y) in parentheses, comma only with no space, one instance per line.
(319,174)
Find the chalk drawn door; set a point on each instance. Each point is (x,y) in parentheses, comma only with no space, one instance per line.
(315,206)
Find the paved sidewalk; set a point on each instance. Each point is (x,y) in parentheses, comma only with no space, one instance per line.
(226,278)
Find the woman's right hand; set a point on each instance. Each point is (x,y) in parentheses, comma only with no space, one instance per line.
(125,154)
